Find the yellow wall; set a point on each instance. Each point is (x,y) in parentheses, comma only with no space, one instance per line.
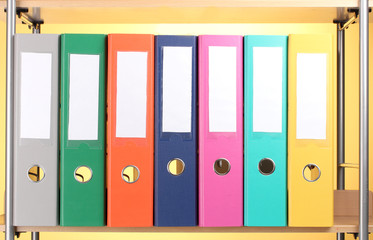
(352,111)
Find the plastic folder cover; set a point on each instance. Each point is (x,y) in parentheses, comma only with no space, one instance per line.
(312,130)
(175,202)
(265,200)
(83,59)
(220,130)
(130,132)
(36,130)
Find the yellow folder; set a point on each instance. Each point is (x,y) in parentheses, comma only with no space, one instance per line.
(312,130)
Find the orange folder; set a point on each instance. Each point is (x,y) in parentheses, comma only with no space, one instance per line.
(130,133)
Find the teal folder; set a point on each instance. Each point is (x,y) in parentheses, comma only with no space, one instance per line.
(83,106)
(265,130)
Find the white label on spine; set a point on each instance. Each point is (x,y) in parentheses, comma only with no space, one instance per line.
(132,72)
(311,95)
(84,97)
(267,89)
(177,89)
(36,90)
(222,89)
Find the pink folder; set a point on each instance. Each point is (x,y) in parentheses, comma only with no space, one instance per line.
(220,131)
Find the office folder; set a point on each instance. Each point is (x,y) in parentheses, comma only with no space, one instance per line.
(175,193)
(265,124)
(83,103)
(312,130)
(130,134)
(220,130)
(36,74)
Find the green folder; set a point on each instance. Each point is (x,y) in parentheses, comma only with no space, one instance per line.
(83,103)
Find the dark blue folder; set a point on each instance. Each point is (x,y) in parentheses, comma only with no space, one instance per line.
(175,196)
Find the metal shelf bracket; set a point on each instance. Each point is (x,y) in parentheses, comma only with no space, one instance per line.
(32,21)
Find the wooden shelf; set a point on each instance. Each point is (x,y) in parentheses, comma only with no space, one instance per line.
(185,3)
(187,11)
(342,224)
(346,210)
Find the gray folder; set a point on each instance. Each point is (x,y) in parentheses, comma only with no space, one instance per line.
(36,119)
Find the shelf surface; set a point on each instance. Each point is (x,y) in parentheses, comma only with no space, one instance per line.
(346,209)
(187,11)
(341,224)
(186,3)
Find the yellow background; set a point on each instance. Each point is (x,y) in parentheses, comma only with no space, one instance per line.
(352,109)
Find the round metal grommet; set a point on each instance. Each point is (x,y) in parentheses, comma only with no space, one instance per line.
(176,166)
(222,166)
(83,174)
(311,172)
(266,166)
(130,174)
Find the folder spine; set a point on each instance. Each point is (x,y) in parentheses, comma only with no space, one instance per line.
(130,204)
(311,154)
(175,197)
(82,204)
(265,194)
(36,203)
(220,195)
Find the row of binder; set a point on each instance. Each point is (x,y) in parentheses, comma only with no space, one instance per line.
(263,154)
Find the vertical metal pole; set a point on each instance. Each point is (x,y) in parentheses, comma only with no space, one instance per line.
(342,14)
(341,108)
(35,30)
(36,15)
(10,30)
(35,235)
(341,113)
(364,117)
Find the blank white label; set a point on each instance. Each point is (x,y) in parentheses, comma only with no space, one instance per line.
(177,89)
(311,95)
(267,89)
(132,70)
(83,101)
(222,89)
(36,93)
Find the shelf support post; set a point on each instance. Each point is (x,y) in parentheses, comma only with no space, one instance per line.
(341,111)
(36,30)
(10,31)
(364,117)
(36,14)
(341,107)
(343,22)
(35,235)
